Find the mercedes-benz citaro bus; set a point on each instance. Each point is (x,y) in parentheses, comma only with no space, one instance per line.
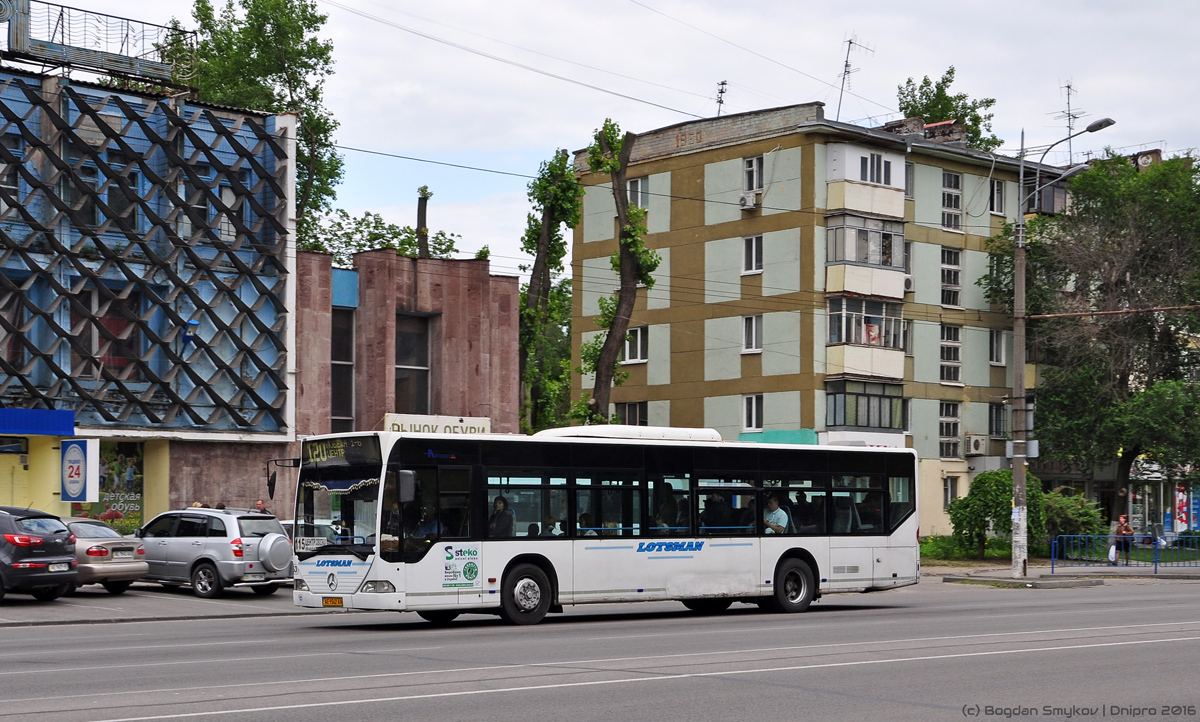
(522,525)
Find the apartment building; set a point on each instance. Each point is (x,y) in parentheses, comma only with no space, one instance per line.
(817,285)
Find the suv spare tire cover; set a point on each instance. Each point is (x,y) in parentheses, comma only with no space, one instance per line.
(275,552)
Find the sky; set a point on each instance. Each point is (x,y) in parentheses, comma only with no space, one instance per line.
(443,81)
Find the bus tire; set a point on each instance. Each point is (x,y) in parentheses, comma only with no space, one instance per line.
(707,606)
(794,586)
(525,597)
(438,616)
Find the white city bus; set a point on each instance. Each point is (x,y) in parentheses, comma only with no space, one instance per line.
(521,525)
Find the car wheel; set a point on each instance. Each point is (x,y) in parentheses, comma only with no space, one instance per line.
(116,587)
(206,583)
(46,594)
(707,606)
(794,587)
(275,552)
(265,590)
(438,616)
(1,589)
(525,598)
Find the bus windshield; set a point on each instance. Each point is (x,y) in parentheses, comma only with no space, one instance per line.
(338,496)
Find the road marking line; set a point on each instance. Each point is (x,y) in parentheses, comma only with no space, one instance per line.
(642,679)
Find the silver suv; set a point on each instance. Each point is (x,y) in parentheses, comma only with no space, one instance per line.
(216,548)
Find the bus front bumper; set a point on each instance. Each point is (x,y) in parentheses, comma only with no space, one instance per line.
(333,601)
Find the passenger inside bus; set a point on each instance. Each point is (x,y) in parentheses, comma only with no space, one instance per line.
(586,525)
(775,519)
(548,527)
(502,521)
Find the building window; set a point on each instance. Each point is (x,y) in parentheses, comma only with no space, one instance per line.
(951,353)
(412,364)
(341,375)
(906,336)
(866,323)
(996,346)
(77,197)
(637,345)
(752,257)
(997,420)
(752,333)
(864,240)
(96,350)
(949,443)
(195,198)
(866,405)
(639,192)
(633,413)
(952,201)
(874,169)
(951,277)
(949,491)
(996,202)
(754,412)
(909,173)
(754,173)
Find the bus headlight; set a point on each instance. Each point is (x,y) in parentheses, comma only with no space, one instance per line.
(299,585)
(377,586)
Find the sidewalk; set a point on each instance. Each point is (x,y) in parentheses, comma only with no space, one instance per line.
(1039,576)
(144,602)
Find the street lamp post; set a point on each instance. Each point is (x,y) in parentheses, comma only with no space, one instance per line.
(1020,513)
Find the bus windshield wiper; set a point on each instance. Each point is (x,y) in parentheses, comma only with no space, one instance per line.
(355,549)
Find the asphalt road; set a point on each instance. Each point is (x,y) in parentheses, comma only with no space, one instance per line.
(931,652)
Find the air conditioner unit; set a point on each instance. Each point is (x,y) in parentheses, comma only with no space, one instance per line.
(908,284)
(977,445)
(748,201)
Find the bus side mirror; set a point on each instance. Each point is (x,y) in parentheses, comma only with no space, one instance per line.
(408,486)
(271,486)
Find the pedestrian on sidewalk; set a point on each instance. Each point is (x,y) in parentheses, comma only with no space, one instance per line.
(1124,534)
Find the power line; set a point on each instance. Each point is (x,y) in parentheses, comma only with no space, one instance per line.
(758,54)
(544,55)
(506,61)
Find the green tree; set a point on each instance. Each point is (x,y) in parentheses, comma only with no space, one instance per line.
(1070,513)
(557,198)
(342,235)
(1117,385)
(633,263)
(932,102)
(549,370)
(265,55)
(987,510)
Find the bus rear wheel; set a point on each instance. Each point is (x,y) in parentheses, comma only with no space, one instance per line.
(794,586)
(707,606)
(526,596)
(438,616)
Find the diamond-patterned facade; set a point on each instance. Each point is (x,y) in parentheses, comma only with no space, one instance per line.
(144,247)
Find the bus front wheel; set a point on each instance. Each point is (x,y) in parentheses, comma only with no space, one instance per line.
(526,595)
(794,586)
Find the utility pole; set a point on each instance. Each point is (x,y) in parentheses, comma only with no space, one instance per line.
(720,96)
(1020,512)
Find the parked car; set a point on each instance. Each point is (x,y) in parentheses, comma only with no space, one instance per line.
(211,549)
(106,557)
(37,554)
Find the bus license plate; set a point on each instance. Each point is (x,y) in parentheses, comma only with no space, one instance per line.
(331,602)
(58,567)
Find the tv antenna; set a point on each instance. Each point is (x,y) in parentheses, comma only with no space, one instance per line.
(720,96)
(1070,116)
(847,70)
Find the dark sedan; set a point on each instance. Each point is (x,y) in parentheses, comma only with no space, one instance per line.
(37,553)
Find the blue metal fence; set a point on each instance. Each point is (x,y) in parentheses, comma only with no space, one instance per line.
(1171,550)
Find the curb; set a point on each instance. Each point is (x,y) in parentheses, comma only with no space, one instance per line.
(181,618)
(1026,583)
